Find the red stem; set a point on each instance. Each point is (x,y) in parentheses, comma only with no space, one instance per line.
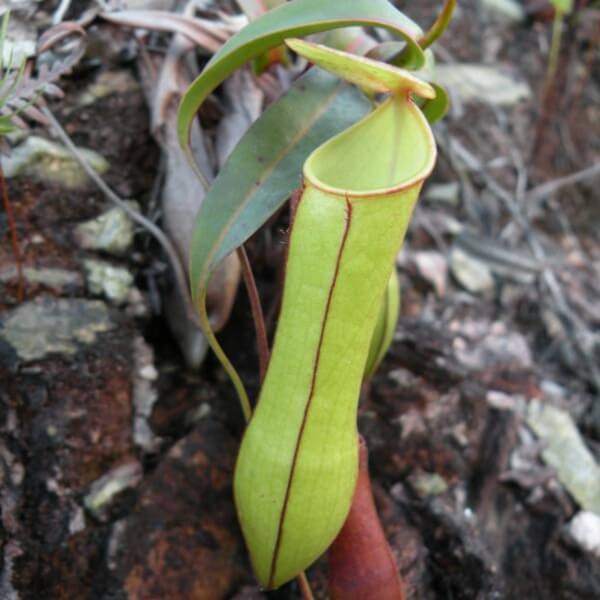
(262,343)
(361,563)
(10,217)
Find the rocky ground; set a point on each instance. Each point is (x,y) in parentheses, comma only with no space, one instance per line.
(483,423)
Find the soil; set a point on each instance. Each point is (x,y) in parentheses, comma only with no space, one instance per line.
(469,506)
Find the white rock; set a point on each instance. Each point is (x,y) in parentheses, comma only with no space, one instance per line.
(584,529)
(112,282)
(508,11)
(103,491)
(111,232)
(566,451)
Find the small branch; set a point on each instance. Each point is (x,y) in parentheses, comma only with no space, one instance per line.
(262,343)
(14,240)
(550,187)
(557,29)
(552,284)
(304,586)
(156,232)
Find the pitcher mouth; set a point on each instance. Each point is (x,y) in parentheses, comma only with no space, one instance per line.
(348,166)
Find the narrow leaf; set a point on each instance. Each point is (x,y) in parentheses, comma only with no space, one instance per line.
(293,19)
(265,167)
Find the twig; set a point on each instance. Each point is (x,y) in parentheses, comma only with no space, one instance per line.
(262,343)
(14,240)
(557,29)
(548,276)
(439,26)
(304,586)
(550,187)
(61,11)
(422,218)
(156,232)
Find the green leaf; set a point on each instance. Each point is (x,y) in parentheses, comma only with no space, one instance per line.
(371,75)
(265,167)
(293,19)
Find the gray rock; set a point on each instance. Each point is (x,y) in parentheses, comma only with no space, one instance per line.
(114,283)
(481,344)
(53,326)
(428,484)
(473,274)
(104,491)
(56,279)
(482,83)
(48,161)
(566,451)
(111,232)
(509,263)
(447,193)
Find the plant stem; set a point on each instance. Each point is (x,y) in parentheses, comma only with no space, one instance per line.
(439,26)
(557,27)
(304,586)
(262,343)
(14,240)
(236,380)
